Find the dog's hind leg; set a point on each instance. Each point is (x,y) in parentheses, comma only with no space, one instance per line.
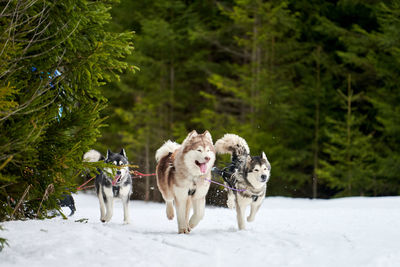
(198,211)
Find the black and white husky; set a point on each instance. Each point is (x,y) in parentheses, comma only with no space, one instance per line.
(247,174)
(112,183)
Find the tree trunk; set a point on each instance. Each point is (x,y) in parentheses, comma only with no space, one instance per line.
(348,143)
(147,169)
(317,125)
(255,68)
(171,96)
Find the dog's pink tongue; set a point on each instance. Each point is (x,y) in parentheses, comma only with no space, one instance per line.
(116,178)
(203,167)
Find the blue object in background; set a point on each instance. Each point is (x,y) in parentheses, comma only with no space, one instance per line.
(56,74)
(60,112)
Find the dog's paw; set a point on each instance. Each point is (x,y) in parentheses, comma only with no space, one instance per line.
(193,222)
(184,230)
(170,211)
(231,203)
(106,219)
(242,227)
(250,219)
(170,216)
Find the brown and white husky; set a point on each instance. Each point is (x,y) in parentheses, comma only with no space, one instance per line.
(181,172)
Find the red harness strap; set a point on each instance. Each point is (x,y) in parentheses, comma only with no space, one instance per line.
(138,174)
(82,186)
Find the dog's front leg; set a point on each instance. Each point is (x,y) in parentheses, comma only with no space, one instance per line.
(230,202)
(254,208)
(125,203)
(188,208)
(109,201)
(181,197)
(198,211)
(240,210)
(102,206)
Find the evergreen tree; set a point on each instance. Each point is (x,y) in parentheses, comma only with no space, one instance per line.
(349,166)
(253,95)
(385,60)
(55,56)
(269,71)
(368,51)
(159,103)
(3,241)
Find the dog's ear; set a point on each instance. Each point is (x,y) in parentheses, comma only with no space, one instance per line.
(123,153)
(108,153)
(263,156)
(207,135)
(192,134)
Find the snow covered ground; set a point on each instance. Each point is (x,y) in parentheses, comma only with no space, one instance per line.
(286,232)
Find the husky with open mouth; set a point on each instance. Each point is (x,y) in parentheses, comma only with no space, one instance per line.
(181,173)
(247,175)
(111,183)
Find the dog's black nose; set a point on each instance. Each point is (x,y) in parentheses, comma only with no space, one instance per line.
(263,177)
(119,172)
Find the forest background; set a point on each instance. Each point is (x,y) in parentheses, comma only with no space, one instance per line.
(313,84)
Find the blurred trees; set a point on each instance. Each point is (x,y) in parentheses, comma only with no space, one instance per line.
(312,83)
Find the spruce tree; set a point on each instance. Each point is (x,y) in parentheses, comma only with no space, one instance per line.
(160,102)
(253,94)
(3,241)
(55,56)
(349,166)
(385,59)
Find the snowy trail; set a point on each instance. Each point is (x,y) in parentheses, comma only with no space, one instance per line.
(286,232)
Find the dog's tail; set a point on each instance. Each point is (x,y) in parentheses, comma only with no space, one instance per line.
(165,149)
(232,144)
(92,156)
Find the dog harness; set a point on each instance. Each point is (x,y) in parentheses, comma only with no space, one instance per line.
(227,175)
(115,190)
(191,192)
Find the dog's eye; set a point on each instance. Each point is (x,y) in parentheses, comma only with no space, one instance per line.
(121,163)
(199,150)
(115,163)
(256,170)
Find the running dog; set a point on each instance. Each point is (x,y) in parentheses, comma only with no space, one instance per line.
(181,173)
(68,201)
(112,184)
(247,174)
